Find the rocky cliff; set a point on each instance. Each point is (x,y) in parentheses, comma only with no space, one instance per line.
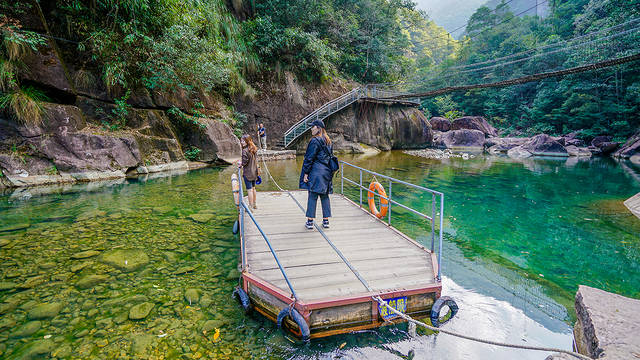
(89,132)
(383,125)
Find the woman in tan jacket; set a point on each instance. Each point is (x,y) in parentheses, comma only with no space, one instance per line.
(249,164)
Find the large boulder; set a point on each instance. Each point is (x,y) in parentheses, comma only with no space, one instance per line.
(543,144)
(214,138)
(440,123)
(604,144)
(630,148)
(607,324)
(463,138)
(474,123)
(44,66)
(385,126)
(496,145)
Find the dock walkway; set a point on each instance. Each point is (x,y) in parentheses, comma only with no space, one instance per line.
(329,293)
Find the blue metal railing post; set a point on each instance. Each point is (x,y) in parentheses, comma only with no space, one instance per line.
(342,179)
(240,204)
(389,204)
(433,220)
(440,246)
(360,188)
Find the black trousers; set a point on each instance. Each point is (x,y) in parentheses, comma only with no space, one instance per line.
(312,201)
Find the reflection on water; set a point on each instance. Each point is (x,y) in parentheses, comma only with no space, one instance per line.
(139,268)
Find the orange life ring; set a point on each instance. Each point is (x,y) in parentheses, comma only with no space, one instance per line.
(384,203)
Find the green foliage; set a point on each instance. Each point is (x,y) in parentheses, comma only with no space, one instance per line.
(53,170)
(452,114)
(25,104)
(116,119)
(599,102)
(192,153)
(178,115)
(239,119)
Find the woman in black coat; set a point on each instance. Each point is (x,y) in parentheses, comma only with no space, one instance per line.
(316,176)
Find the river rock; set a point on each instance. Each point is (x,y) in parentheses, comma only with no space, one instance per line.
(140,311)
(4,242)
(576,151)
(192,296)
(201,217)
(440,123)
(463,138)
(90,281)
(85,254)
(184,270)
(33,282)
(14,227)
(518,153)
(7,323)
(45,311)
(27,329)
(233,274)
(496,145)
(140,343)
(77,267)
(215,139)
(629,148)
(474,123)
(607,325)
(7,285)
(125,260)
(38,349)
(7,307)
(541,144)
(210,325)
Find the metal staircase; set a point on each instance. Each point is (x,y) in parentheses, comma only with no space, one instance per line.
(337,104)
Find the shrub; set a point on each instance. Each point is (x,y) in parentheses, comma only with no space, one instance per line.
(192,153)
(25,104)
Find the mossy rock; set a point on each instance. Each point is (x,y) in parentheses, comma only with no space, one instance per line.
(90,281)
(125,260)
(140,311)
(45,311)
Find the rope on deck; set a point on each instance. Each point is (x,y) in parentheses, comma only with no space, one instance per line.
(406,317)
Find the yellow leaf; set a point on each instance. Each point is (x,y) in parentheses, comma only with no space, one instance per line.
(216,335)
(342,345)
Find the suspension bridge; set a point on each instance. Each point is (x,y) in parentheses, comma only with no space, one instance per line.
(605,48)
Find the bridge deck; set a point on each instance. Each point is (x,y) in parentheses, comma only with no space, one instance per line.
(385,258)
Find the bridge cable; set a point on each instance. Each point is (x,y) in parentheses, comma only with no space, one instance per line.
(406,317)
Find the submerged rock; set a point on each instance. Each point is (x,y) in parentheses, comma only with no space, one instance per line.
(192,296)
(140,311)
(7,286)
(184,270)
(125,260)
(14,227)
(201,217)
(27,329)
(85,254)
(90,281)
(38,349)
(45,311)
(33,282)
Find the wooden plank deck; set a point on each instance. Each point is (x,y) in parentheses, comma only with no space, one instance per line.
(385,258)
(633,204)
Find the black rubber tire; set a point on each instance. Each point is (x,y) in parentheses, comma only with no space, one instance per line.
(243,299)
(438,305)
(297,318)
(236,227)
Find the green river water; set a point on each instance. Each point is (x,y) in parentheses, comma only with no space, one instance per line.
(79,262)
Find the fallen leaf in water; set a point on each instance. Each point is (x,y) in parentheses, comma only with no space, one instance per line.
(342,345)
(216,336)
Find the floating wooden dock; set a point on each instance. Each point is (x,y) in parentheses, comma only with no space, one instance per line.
(331,299)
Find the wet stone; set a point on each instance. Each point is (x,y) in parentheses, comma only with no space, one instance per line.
(7,286)
(184,270)
(92,312)
(45,311)
(82,333)
(27,329)
(192,296)
(78,267)
(90,281)
(140,311)
(40,348)
(33,282)
(7,307)
(62,352)
(14,227)
(140,343)
(85,254)
(201,217)
(6,322)
(125,260)
(4,242)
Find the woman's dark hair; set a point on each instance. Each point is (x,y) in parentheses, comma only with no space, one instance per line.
(247,140)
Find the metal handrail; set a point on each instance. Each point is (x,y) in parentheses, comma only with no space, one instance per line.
(389,198)
(335,105)
(243,208)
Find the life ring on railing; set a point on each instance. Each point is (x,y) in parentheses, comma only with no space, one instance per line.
(437,306)
(243,299)
(294,315)
(384,203)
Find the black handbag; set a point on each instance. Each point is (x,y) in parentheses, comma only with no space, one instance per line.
(334,163)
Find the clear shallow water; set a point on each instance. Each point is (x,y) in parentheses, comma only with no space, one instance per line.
(519,237)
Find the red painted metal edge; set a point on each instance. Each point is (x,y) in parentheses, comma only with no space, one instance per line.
(284,296)
(366,297)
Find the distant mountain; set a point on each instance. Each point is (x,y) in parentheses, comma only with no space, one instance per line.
(453,14)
